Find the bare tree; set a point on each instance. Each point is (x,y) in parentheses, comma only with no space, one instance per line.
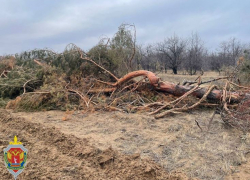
(215,61)
(194,55)
(149,58)
(123,48)
(138,57)
(162,60)
(230,51)
(172,50)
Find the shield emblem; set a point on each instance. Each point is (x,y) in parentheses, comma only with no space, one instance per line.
(15,157)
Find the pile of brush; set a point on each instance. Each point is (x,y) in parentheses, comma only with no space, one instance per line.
(45,80)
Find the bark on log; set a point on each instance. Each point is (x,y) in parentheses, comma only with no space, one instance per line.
(214,95)
(177,90)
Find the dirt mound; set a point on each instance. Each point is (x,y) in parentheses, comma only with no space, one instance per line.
(54,155)
(175,143)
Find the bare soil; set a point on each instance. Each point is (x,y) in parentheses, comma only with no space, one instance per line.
(116,145)
(57,153)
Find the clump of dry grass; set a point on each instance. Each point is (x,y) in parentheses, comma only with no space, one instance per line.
(239,117)
(209,155)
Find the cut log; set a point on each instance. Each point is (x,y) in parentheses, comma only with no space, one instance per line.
(214,95)
(177,90)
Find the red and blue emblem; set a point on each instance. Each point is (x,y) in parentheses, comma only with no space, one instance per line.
(15,157)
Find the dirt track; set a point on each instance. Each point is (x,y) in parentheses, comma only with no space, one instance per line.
(55,155)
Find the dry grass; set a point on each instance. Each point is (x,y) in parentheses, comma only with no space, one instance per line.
(175,142)
(179,78)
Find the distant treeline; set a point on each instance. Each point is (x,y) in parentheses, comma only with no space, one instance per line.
(121,54)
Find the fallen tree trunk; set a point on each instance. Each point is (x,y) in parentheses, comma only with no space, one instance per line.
(171,88)
(214,95)
(177,90)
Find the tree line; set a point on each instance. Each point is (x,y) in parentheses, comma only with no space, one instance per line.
(173,53)
(122,54)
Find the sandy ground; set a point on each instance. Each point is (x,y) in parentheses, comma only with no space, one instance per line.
(115,145)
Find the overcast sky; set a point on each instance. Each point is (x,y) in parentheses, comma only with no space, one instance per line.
(30,24)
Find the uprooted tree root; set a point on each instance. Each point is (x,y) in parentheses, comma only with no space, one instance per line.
(149,94)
